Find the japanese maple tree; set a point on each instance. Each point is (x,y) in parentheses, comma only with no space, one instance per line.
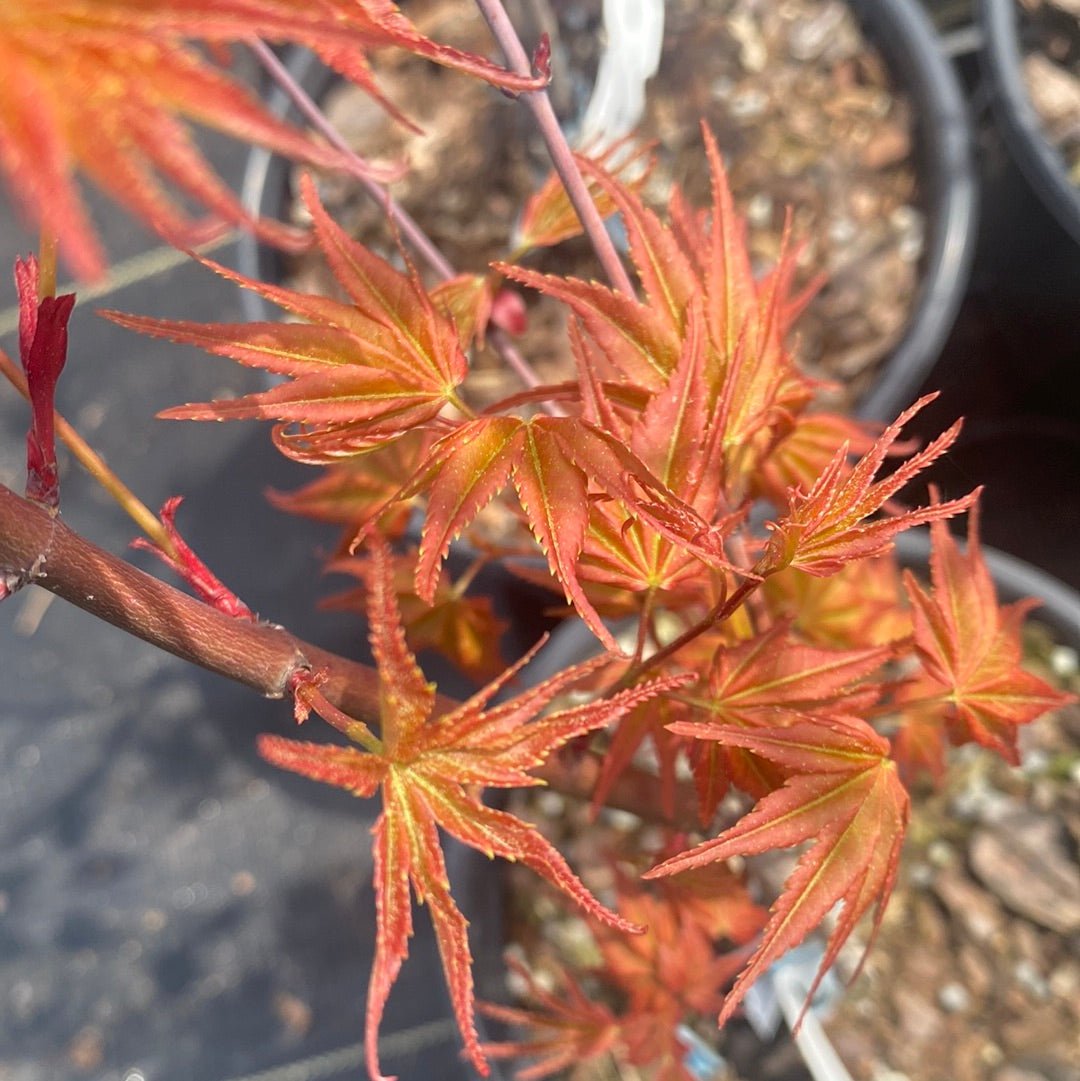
(785,668)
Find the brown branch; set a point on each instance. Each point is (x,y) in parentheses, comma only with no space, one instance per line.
(37,548)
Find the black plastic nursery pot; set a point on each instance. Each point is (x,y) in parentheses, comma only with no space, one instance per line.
(1002,60)
(942,150)
(903,32)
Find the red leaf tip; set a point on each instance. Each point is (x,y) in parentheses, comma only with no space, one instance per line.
(183,560)
(43,341)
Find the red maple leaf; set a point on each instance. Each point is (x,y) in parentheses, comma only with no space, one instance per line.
(565,1027)
(548,217)
(861,605)
(361,489)
(462,627)
(826,527)
(428,770)
(769,681)
(557,466)
(698,281)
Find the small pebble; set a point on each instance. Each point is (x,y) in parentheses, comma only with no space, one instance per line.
(1065,661)
(941,853)
(1064,981)
(883,1073)
(921,875)
(1031,979)
(622,821)
(954,998)
(551,804)
(1035,762)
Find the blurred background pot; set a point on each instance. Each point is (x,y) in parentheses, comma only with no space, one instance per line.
(1011,61)
(938,145)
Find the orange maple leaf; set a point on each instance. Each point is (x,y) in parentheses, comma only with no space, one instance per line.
(673,962)
(973,677)
(428,769)
(361,489)
(548,217)
(360,374)
(690,261)
(462,627)
(844,793)
(556,465)
(565,1028)
(98,88)
(826,528)
(106,88)
(771,680)
(860,605)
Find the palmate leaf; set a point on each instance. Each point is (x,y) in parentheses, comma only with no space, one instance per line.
(699,292)
(548,217)
(361,489)
(844,793)
(106,88)
(665,977)
(565,1028)
(674,439)
(366,372)
(461,627)
(89,89)
(673,962)
(661,980)
(800,457)
(771,680)
(334,29)
(973,680)
(772,677)
(555,464)
(859,606)
(428,769)
(716,899)
(826,527)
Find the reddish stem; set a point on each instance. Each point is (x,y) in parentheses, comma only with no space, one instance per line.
(361,169)
(420,242)
(562,157)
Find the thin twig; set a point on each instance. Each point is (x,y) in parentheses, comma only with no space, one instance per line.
(562,157)
(361,169)
(410,229)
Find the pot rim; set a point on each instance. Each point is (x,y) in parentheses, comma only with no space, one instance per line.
(912,49)
(1042,166)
